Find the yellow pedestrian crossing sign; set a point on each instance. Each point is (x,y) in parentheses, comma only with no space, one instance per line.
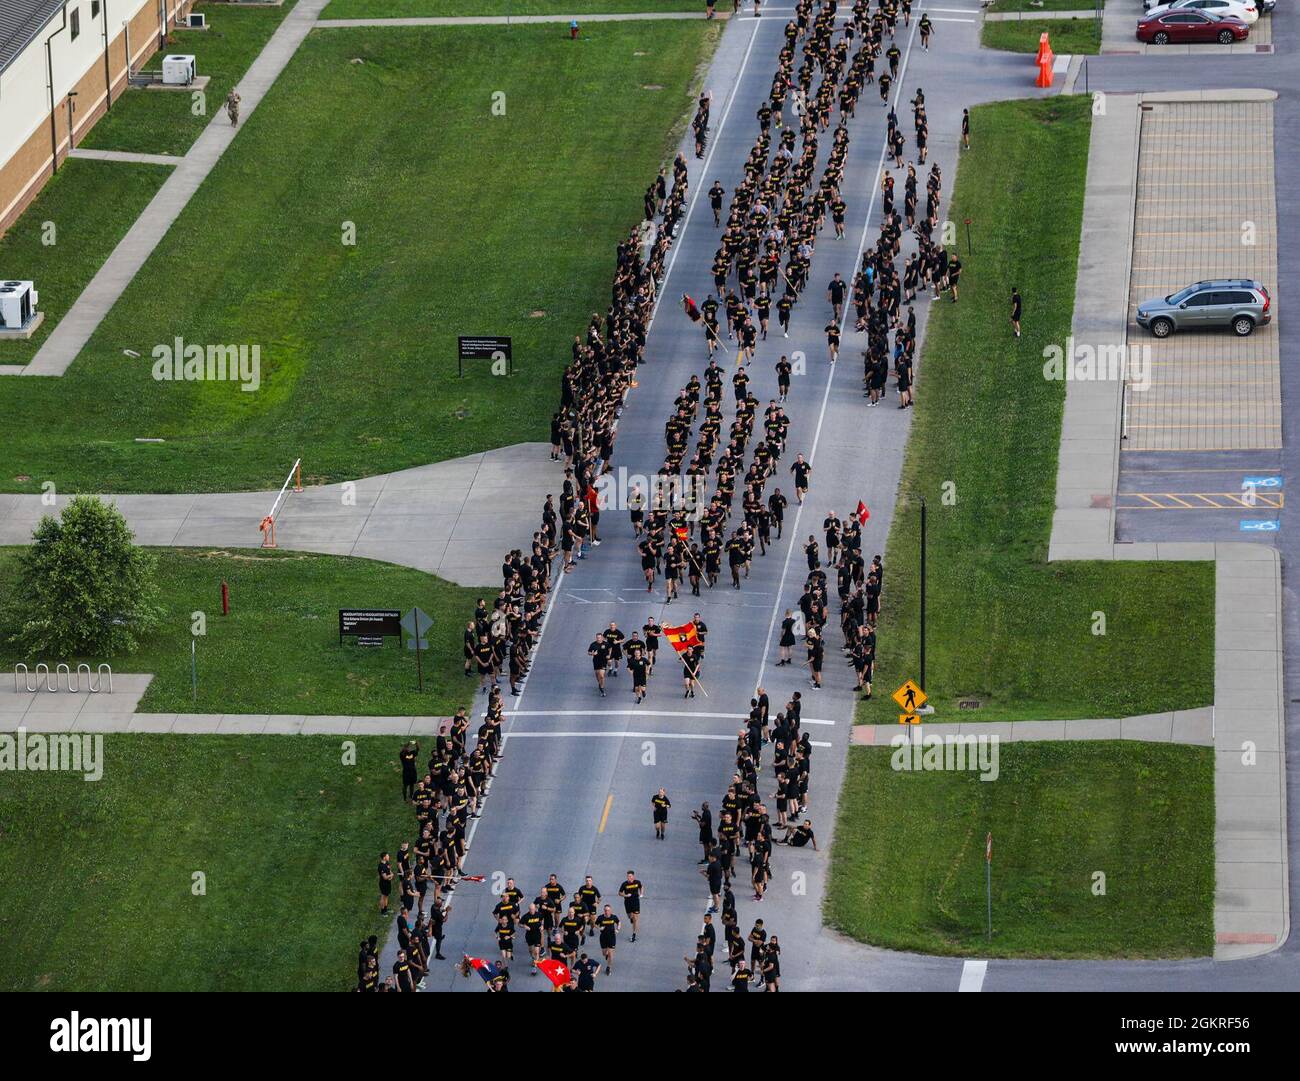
(910,697)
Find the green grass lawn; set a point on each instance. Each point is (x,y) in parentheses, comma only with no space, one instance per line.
(89,205)
(389,9)
(1004,626)
(278,651)
(163,121)
(466,223)
(97,877)
(1043,5)
(1068,36)
(907,868)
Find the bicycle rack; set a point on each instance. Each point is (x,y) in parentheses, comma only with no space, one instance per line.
(94,683)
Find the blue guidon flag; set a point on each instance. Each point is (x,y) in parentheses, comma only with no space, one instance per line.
(489,970)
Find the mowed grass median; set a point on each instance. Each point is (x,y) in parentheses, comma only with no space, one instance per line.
(99,879)
(1068,37)
(1004,627)
(278,651)
(486,195)
(410,9)
(1099,850)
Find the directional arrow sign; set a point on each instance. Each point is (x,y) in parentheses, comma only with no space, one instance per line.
(416,623)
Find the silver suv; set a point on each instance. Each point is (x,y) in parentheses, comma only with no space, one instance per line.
(1224,302)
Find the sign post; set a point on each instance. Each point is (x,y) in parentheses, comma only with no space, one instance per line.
(988,880)
(416,623)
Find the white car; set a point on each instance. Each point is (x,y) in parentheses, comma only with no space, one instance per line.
(1245,10)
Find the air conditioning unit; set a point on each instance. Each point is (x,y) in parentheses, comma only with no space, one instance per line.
(197,21)
(178,70)
(17,304)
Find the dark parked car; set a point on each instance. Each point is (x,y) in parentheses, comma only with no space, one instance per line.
(1183,26)
(1223,302)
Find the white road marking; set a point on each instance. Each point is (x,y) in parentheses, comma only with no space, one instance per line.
(940,19)
(644,713)
(635,735)
(830,375)
(972,975)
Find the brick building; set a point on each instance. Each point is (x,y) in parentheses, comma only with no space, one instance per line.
(62,64)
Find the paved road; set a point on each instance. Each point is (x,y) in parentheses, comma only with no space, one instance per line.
(550,808)
(572,795)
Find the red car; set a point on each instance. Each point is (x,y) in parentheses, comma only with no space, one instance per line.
(1185,25)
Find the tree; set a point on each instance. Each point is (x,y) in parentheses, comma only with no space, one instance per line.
(84,588)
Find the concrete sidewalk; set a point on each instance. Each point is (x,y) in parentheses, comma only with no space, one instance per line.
(127,156)
(1251,912)
(1190,726)
(455,519)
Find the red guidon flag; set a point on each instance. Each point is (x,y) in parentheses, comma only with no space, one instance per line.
(555,971)
(862,513)
(682,638)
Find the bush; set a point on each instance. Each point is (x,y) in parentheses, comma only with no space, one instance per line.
(84,586)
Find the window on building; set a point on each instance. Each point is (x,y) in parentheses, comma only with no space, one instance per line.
(94,9)
(76,23)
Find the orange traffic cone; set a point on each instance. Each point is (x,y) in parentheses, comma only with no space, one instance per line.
(1045,71)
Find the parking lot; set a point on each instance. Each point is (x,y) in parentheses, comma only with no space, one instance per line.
(1119,30)
(1205,208)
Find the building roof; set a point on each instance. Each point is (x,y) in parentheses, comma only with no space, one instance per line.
(20,23)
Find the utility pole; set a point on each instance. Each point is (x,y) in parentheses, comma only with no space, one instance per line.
(922,679)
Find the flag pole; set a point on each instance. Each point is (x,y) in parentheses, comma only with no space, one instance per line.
(695,676)
(710,332)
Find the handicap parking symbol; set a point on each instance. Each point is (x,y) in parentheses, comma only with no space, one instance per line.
(1260,525)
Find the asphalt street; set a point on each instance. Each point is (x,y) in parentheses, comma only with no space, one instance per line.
(572,793)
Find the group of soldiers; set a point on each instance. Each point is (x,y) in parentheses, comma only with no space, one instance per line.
(858,586)
(611,647)
(446,796)
(665,522)
(500,638)
(745,830)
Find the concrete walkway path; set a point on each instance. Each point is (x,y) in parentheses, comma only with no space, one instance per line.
(97,299)
(454,518)
(126,155)
(1035,15)
(1251,910)
(1191,726)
